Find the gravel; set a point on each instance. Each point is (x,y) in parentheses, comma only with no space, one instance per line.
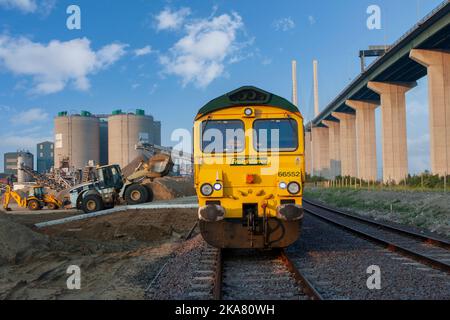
(174,281)
(258,275)
(336,262)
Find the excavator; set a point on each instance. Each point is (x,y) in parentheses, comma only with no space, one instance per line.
(36,199)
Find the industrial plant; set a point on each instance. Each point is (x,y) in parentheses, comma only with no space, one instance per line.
(102,139)
(261,200)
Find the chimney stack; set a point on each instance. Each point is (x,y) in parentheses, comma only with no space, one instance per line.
(316,89)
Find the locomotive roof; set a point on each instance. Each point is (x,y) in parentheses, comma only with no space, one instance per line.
(247,96)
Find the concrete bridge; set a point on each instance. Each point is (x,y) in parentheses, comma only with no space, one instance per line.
(341,140)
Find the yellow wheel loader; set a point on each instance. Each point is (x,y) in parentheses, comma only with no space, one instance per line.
(36,200)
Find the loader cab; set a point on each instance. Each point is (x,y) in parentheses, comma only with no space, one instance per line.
(37,192)
(110,177)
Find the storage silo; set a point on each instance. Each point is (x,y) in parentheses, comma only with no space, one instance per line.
(125,131)
(77,137)
(24,159)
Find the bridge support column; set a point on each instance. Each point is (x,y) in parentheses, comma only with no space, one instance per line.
(334,147)
(308,152)
(366,140)
(347,143)
(321,153)
(393,109)
(438,65)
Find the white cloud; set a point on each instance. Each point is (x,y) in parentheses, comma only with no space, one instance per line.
(199,56)
(26,6)
(284,24)
(419,153)
(108,55)
(266,61)
(143,51)
(171,20)
(22,142)
(153,88)
(417,101)
(29,6)
(420,145)
(30,116)
(311,20)
(54,65)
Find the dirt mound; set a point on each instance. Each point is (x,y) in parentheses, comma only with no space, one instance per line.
(17,242)
(168,188)
(116,254)
(139,225)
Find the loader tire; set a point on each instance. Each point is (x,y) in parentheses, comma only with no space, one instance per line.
(34,205)
(92,203)
(52,206)
(136,194)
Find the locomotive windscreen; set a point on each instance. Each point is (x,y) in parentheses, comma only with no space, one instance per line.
(225,136)
(275,135)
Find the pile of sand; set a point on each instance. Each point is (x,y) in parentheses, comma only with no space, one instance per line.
(18,242)
(169,188)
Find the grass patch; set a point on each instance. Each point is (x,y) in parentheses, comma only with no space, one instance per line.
(428,210)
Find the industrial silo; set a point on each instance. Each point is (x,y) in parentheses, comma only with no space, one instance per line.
(24,159)
(77,137)
(125,131)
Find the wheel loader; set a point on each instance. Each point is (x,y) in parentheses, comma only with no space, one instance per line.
(37,199)
(110,186)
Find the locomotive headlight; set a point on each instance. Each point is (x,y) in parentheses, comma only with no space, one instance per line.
(217,187)
(293,188)
(248,112)
(206,190)
(283,185)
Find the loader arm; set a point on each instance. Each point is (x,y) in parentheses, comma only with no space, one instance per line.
(14,195)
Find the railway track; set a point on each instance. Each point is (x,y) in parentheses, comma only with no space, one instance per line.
(249,275)
(261,275)
(424,248)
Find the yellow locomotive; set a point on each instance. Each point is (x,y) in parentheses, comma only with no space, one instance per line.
(249,170)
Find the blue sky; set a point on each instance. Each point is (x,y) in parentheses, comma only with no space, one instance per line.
(171,57)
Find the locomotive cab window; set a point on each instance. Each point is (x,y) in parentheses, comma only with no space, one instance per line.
(223,136)
(275,135)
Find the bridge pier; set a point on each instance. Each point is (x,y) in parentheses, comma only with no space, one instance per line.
(308,152)
(438,66)
(334,147)
(366,140)
(347,143)
(320,151)
(395,147)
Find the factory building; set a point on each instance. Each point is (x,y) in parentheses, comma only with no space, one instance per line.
(105,139)
(126,130)
(45,156)
(11,161)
